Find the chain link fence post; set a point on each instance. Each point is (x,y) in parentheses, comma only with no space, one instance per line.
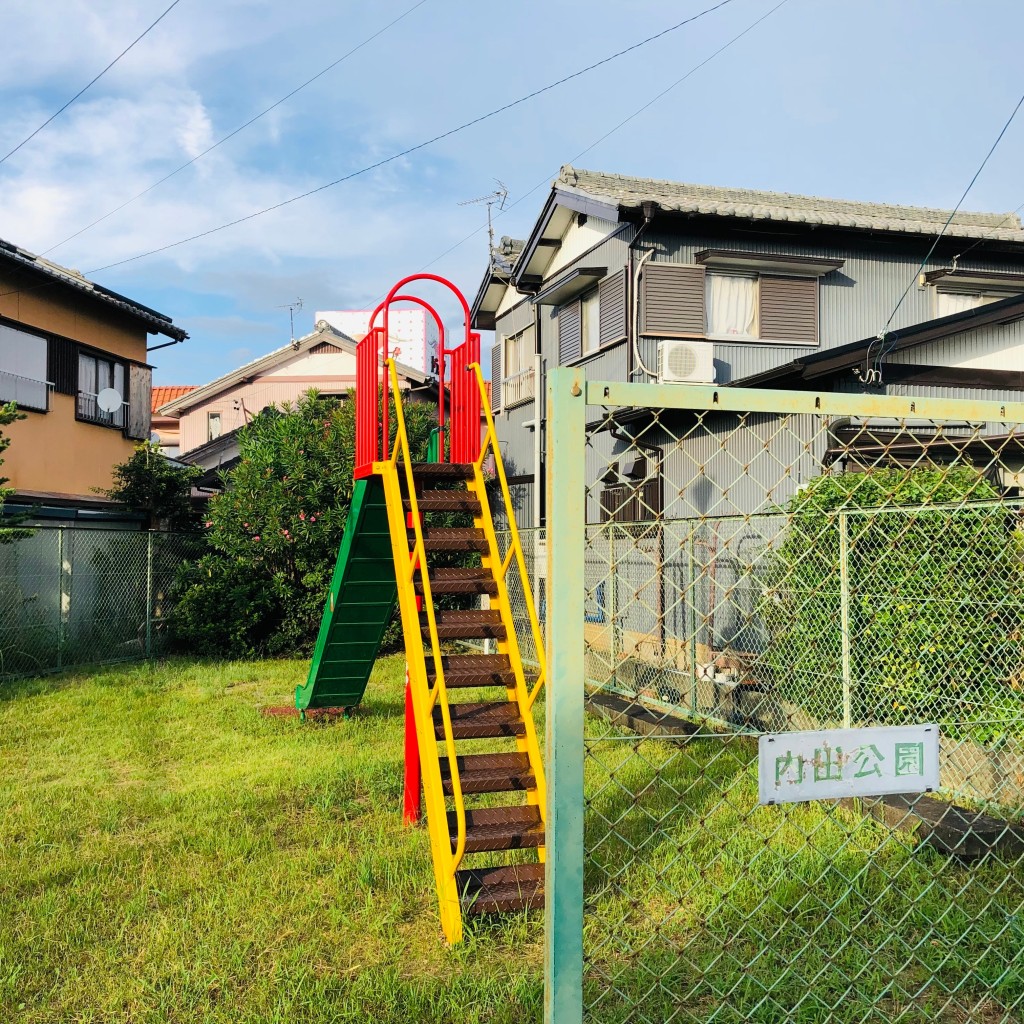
(844,615)
(149,594)
(563,883)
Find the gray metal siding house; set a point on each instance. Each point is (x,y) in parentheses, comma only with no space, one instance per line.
(616,266)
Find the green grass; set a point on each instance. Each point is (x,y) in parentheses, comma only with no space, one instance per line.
(169,854)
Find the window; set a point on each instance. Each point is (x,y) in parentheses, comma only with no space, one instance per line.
(23,369)
(731,301)
(590,311)
(689,301)
(947,303)
(213,426)
(96,374)
(518,385)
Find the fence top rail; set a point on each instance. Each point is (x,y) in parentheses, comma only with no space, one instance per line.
(707,397)
(85,528)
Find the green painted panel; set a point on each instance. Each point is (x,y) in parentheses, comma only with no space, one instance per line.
(364,592)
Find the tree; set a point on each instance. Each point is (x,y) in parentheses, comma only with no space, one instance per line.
(8,415)
(156,486)
(936,600)
(275,530)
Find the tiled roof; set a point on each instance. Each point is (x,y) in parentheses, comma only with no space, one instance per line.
(169,392)
(156,323)
(625,191)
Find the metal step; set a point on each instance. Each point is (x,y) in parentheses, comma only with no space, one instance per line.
(441,471)
(445,501)
(501,890)
(489,773)
(468,624)
(443,538)
(459,581)
(474,670)
(499,828)
(480,720)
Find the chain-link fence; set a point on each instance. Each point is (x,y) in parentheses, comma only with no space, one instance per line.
(746,564)
(74,596)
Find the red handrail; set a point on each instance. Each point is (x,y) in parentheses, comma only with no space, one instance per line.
(372,429)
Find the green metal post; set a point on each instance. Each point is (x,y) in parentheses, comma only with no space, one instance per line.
(566,489)
(149,595)
(844,616)
(691,615)
(60,598)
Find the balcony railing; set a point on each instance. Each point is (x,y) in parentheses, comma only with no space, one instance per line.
(88,410)
(519,388)
(27,392)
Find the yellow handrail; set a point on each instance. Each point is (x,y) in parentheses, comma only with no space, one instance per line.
(490,441)
(438,693)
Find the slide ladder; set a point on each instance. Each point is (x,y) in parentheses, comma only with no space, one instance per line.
(480,763)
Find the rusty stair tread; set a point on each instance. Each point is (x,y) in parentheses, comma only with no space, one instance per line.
(442,470)
(445,580)
(474,670)
(465,624)
(499,828)
(480,720)
(490,773)
(451,538)
(501,889)
(444,501)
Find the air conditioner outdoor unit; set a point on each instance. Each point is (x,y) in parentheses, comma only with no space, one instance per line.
(686,362)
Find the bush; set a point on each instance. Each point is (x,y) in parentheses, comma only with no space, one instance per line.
(275,530)
(936,601)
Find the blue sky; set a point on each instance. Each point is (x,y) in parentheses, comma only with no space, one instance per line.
(885,100)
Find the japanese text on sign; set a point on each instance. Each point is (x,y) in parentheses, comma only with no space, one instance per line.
(836,763)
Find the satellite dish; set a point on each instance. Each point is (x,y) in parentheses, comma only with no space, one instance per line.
(109,400)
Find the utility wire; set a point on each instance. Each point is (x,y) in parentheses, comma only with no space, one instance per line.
(883,349)
(57,114)
(418,146)
(612,131)
(240,128)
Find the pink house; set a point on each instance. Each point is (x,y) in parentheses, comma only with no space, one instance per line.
(211,415)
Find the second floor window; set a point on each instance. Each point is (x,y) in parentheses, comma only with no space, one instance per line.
(23,369)
(213,426)
(732,305)
(96,374)
(518,384)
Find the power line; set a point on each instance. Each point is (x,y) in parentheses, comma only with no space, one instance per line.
(418,146)
(240,128)
(56,114)
(583,152)
(883,349)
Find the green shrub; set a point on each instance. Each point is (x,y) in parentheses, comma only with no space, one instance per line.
(274,532)
(936,601)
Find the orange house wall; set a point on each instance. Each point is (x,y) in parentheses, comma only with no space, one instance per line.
(52,453)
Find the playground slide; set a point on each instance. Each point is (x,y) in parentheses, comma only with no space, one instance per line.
(358,608)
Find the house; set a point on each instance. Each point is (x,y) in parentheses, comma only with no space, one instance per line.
(644,280)
(166,430)
(73,356)
(210,416)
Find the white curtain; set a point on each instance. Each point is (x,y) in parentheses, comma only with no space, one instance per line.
(948,303)
(731,305)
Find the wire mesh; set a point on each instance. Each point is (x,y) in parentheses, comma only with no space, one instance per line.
(76,596)
(751,573)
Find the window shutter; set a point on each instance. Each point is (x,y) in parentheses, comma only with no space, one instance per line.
(788,309)
(63,366)
(673,300)
(570,333)
(612,308)
(497,372)
(140,388)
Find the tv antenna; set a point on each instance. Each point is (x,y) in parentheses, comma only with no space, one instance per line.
(497,197)
(293,308)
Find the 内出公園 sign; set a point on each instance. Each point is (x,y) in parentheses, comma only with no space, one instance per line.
(834,763)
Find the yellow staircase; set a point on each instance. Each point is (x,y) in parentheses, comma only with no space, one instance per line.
(488,799)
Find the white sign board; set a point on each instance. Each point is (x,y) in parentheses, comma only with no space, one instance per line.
(409,341)
(834,763)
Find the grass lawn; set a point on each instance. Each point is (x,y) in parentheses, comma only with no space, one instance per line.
(169,854)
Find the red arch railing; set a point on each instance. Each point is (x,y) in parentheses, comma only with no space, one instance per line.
(460,420)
